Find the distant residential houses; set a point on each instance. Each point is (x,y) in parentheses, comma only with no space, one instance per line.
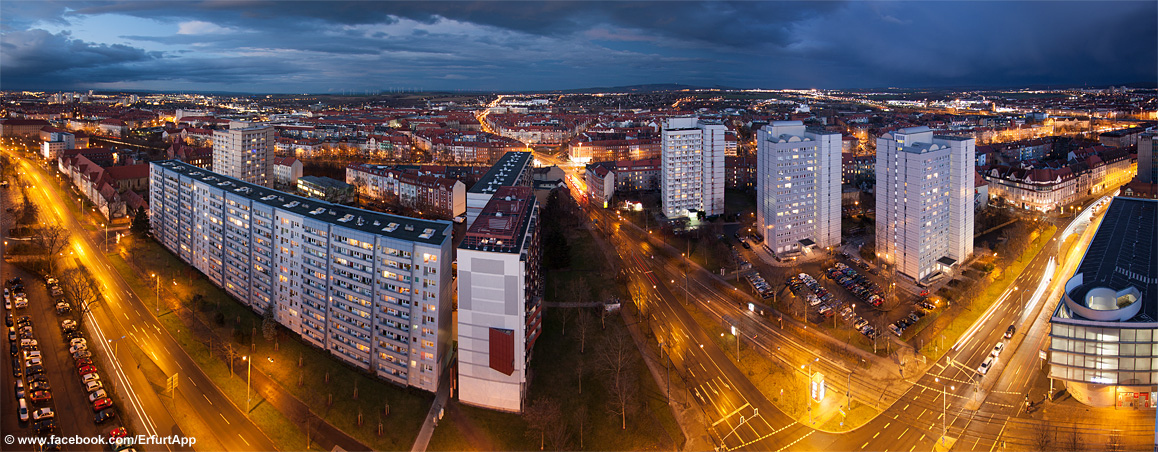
(539,128)
(1049,185)
(434,194)
(111,189)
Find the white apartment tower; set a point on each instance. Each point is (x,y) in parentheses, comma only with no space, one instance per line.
(924,190)
(245,151)
(693,167)
(797,187)
(500,290)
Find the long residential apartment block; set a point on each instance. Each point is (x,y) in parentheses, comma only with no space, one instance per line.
(924,195)
(797,187)
(499,301)
(512,170)
(373,289)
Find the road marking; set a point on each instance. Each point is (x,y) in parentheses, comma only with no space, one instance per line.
(243,439)
(886,425)
(911,448)
(207,398)
(194,382)
(226,420)
(903,433)
(865,445)
(126,316)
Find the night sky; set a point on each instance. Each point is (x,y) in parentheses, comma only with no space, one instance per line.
(334,47)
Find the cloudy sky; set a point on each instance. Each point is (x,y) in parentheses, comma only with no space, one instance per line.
(319,47)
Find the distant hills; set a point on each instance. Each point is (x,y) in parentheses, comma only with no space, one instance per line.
(647,88)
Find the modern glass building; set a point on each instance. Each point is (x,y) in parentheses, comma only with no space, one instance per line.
(1104,333)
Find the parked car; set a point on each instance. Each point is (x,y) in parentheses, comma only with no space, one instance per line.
(104,415)
(96,395)
(101,404)
(997,349)
(83,362)
(41,396)
(68,325)
(93,386)
(118,432)
(18,388)
(22,409)
(44,426)
(86,370)
(43,413)
(78,340)
(77,348)
(84,379)
(1009,331)
(82,354)
(34,370)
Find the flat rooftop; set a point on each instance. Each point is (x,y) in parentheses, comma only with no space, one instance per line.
(502,224)
(505,172)
(395,226)
(1124,253)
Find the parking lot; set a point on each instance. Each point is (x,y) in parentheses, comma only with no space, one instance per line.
(843,287)
(40,368)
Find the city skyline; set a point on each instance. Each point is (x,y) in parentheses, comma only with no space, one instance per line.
(359,47)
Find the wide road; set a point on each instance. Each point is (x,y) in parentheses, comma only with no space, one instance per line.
(123,313)
(949,406)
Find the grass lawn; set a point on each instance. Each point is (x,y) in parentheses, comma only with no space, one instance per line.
(965,319)
(408,407)
(739,201)
(555,376)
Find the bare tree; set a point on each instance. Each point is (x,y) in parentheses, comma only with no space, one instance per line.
(583,325)
(617,360)
(79,288)
(231,354)
(52,239)
(565,314)
(579,416)
(1042,436)
(540,415)
(1074,440)
(559,432)
(269,323)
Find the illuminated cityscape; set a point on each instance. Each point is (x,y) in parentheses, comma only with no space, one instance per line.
(707,226)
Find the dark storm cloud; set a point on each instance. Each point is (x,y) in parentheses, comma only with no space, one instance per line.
(34,56)
(320,46)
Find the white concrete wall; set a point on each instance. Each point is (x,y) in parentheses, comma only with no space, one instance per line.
(491,295)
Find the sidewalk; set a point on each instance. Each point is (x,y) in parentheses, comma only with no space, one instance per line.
(432,417)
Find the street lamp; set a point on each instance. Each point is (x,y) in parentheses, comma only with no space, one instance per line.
(157,304)
(106,226)
(248,374)
(944,409)
(115,344)
(807,382)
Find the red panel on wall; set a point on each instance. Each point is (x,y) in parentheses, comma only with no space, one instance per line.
(503,350)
